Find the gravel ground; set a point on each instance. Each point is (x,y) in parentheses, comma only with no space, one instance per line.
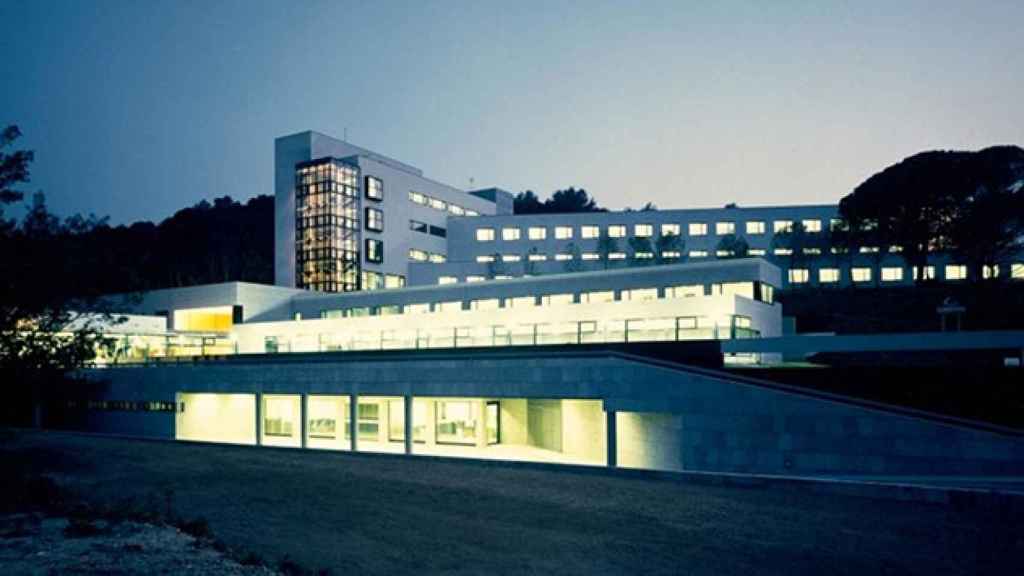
(395,515)
(35,544)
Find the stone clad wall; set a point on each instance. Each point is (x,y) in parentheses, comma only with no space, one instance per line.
(669,417)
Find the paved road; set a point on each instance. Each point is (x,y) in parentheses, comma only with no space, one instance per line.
(396,515)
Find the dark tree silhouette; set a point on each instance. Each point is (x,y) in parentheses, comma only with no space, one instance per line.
(640,245)
(51,315)
(735,247)
(965,202)
(669,243)
(606,245)
(562,201)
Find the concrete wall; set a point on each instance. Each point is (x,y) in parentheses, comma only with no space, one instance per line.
(583,429)
(650,441)
(514,421)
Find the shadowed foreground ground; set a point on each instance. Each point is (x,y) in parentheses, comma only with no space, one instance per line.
(394,515)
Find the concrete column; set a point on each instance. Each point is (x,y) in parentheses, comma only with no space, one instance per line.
(407,404)
(259,418)
(303,418)
(611,440)
(353,425)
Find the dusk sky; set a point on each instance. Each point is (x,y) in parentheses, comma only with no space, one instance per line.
(138,109)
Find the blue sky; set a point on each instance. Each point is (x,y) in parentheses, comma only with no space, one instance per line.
(137,109)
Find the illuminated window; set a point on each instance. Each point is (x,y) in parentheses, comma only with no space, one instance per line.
(451,306)
(860,274)
(510,258)
(956,272)
(521,302)
(591,256)
(782,226)
(556,299)
(1017,270)
(471,212)
(723,253)
(812,251)
(756,252)
(597,296)
(456,422)
(436,258)
(755,227)
(485,258)
(869,249)
(563,232)
(438,204)
(640,294)
(894,249)
(509,234)
(374,219)
(475,279)
(537,233)
(670,229)
(485,234)
(374,250)
(671,254)
(698,253)
(590,232)
(697,229)
(835,224)
(723,228)
(828,275)
(537,257)
(799,275)
(892,274)
(417,226)
(417,198)
(685,291)
(643,230)
(744,289)
(812,225)
(485,304)
(617,231)
(417,308)
(374,188)
(417,255)
(616,255)
(929,273)
(782,251)
(990,271)
(394,281)
(502,277)
(447,280)
(563,256)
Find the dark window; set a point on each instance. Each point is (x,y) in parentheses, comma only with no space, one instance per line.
(374,219)
(374,251)
(438,231)
(374,188)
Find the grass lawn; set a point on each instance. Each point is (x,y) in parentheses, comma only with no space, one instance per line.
(399,515)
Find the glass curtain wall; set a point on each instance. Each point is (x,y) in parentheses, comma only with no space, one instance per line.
(327,226)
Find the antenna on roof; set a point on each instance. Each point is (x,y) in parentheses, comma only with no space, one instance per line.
(344,134)
(471,181)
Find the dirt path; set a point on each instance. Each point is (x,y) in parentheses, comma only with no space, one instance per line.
(395,515)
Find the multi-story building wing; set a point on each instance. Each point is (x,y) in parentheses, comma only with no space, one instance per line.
(350,219)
